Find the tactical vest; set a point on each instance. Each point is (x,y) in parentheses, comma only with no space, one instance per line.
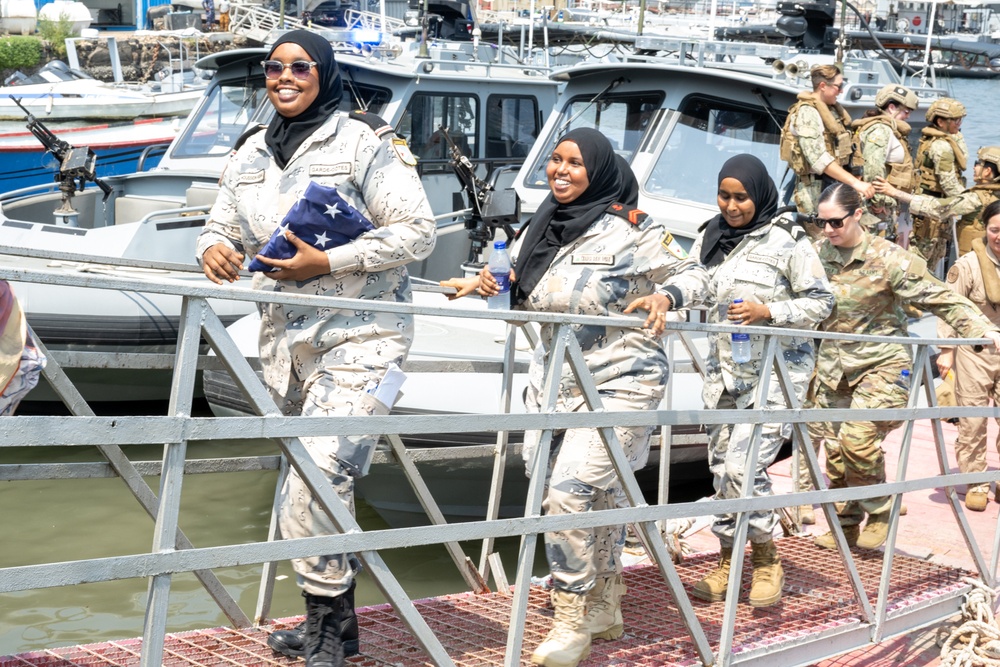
(926,177)
(836,134)
(987,193)
(900,174)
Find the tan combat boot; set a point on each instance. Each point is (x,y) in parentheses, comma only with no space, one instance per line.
(604,609)
(875,532)
(977,499)
(768,575)
(851,533)
(807,516)
(713,587)
(568,642)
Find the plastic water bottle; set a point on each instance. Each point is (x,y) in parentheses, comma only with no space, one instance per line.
(499,267)
(904,379)
(741,344)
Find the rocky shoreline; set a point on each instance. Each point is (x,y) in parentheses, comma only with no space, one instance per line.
(142,56)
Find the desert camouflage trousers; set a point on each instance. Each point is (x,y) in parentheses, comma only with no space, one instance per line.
(728,447)
(24,380)
(854,455)
(334,389)
(581,478)
(977,382)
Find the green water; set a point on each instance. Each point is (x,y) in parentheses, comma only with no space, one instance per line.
(64,520)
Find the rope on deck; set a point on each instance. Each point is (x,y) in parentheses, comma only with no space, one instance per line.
(976,642)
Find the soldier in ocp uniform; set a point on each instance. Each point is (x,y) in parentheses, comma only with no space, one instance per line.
(966,206)
(883,152)
(940,165)
(816,141)
(589,251)
(319,361)
(871,278)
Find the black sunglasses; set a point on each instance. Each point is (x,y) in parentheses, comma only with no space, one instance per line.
(836,223)
(274,68)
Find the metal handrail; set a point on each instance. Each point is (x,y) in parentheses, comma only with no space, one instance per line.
(171,552)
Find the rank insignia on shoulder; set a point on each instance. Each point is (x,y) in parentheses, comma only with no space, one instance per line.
(403,151)
(633,215)
(671,245)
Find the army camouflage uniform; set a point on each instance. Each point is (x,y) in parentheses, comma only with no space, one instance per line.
(612,264)
(775,265)
(977,374)
(870,283)
(316,360)
(966,206)
(884,153)
(941,160)
(811,141)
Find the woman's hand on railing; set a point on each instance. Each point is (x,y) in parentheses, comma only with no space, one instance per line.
(222,263)
(463,286)
(994,337)
(657,305)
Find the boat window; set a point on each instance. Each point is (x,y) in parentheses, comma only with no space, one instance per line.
(362,96)
(220,120)
(431,119)
(707,132)
(623,119)
(511,126)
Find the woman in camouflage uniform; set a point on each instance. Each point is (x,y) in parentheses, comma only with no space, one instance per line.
(316,360)
(884,153)
(589,251)
(769,263)
(976,275)
(871,279)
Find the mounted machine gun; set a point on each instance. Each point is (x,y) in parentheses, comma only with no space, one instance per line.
(491,209)
(76,167)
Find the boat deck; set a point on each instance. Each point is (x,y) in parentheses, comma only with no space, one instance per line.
(928,569)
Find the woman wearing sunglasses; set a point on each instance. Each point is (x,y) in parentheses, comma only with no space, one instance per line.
(768,262)
(321,361)
(872,278)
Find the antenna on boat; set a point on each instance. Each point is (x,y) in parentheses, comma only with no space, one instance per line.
(594,100)
(76,167)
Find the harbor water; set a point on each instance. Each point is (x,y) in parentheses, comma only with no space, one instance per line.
(54,521)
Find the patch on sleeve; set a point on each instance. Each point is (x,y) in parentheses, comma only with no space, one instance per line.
(671,245)
(403,151)
(952,276)
(915,267)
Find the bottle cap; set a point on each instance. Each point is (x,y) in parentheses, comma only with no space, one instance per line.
(905,372)
(499,245)
(737,300)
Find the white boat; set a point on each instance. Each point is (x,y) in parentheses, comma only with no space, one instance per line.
(59,92)
(491,110)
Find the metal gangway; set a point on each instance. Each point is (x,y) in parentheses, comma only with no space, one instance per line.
(872,615)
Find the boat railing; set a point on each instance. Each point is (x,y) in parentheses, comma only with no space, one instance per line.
(171,552)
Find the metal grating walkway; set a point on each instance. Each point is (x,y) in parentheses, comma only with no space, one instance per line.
(817,602)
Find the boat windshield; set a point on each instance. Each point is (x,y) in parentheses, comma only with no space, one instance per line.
(229,110)
(622,118)
(705,133)
(220,120)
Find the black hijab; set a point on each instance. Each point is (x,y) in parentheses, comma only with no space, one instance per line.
(555,225)
(720,238)
(284,135)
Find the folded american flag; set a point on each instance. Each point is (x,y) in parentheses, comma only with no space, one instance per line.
(322,218)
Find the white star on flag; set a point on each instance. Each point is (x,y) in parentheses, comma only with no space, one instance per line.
(321,240)
(332,211)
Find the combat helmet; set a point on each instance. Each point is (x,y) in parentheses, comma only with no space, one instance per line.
(898,94)
(945,107)
(991,154)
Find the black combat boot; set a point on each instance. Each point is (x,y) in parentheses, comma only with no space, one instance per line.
(323,647)
(292,642)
